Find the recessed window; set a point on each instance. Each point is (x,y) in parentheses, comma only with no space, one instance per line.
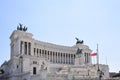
(25,50)
(34,70)
(34,62)
(34,51)
(17,66)
(21,43)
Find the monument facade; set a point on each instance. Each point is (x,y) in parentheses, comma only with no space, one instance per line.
(31,59)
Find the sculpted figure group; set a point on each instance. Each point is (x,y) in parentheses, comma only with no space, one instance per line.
(20,27)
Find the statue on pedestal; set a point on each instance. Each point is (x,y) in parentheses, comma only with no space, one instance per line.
(79,52)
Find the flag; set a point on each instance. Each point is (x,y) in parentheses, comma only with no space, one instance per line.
(93,54)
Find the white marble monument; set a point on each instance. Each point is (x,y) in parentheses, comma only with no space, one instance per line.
(36,60)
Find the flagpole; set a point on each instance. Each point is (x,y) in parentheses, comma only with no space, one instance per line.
(99,71)
(97,55)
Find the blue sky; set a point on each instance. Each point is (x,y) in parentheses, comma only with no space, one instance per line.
(60,21)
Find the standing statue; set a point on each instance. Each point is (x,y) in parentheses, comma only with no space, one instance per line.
(43,67)
(79,51)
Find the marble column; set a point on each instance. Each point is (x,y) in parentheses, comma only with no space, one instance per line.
(65,58)
(52,57)
(23,47)
(57,57)
(70,58)
(60,58)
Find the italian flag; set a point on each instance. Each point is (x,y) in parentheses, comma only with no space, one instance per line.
(93,54)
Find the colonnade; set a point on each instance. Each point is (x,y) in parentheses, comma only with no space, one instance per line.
(55,57)
(87,57)
(25,48)
(52,56)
